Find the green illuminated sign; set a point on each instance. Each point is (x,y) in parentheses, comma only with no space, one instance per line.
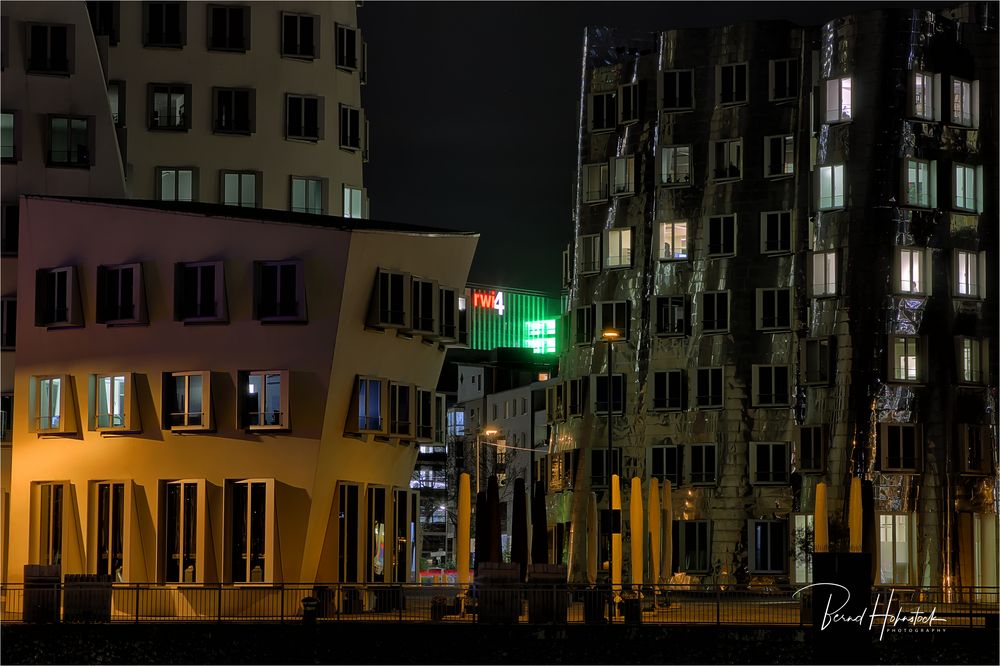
(540,336)
(509,318)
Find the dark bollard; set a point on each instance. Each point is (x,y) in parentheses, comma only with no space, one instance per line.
(310,606)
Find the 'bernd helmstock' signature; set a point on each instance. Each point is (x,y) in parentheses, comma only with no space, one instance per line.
(916,617)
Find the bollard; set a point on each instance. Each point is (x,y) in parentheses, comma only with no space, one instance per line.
(310,605)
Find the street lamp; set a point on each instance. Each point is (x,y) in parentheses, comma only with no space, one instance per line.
(489,432)
(610,336)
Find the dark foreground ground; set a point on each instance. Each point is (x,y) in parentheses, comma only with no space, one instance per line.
(477,644)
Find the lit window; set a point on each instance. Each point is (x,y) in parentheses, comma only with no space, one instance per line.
(703,464)
(181,532)
(666,464)
(678,90)
(769,463)
(116,100)
(672,315)
(308,195)
(924,96)
(668,389)
(691,553)
(401,410)
(824,274)
(970,273)
(50,404)
(769,546)
(715,311)
(628,103)
(595,182)
(265,395)
(906,358)
(69,141)
(110,536)
(920,183)
(200,293)
(8,144)
(228,27)
(896,562)
(303,117)
(187,400)
(784,79)
(279,291)
(774,309)
(913,270)
(347,47)
(812,442)
(624,175)
(727,159)
(590,254)
(967,182)
(779,156)
(721,235)
(709,388)
(776,232)
(175,184)
(350,127)
(674,240)
(603,112)
(299,35)
(369,397)
(120,295)
(971,367)
(675,165)
(601,394)
(619,248)
(732,80)
(613,315)
(113,406)
(831,186)
(964,100)
(249,539)
(838,100)
(169,107)
(239,188)
(900,447)
(234,110)
(770,385)
(817,361)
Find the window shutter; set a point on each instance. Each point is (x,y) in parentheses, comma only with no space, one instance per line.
(257,266)
(251,97)
(179,292)
(43,304)
(937,97)
(102,295)
(91,402)
(166,399)
(74,298)
(183,30)
(246,27)
(975,106)
(242,394)
(321,118)
(314,20)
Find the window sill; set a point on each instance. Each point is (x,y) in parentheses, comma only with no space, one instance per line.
(666,409)
(715,331)
(782,99)
(300,57)
(669,334)
(778,176)
(595,271)
(123,430)
(674,260)
(228,49)
(726,180)
(67,165)
(617,267)
(812,470)
(49,72)
(292,319)
(770,483)
(163,45)
(726,105)
(350,149)
(837,121)
(205,320)
(819,383)
(125,322)
(594,202)
(302,139)
(183,430)
(232,132)
(775,329)
(822,296)
(268,428)
(56,325)
(776,253)
(916,383)
(831,209)
(623,194)
(908,471)
(707,408)
(602,130)
(675,186)
(770,405)
(347,68)
(704,484)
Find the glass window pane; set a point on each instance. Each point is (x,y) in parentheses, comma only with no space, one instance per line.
(168,182)
(184,185)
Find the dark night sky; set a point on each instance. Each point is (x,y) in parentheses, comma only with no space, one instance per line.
(473,107)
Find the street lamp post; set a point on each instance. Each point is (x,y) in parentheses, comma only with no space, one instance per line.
(610,336)
(489,432)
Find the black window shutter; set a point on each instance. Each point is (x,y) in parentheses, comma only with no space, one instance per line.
(256,290)
(242,381)
(167,398)
(102,296)
(179,309)
(43,305)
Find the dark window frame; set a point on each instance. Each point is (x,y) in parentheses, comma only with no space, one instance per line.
(236,98)
(160,39)
(49,63)
(82,162)
(243,42)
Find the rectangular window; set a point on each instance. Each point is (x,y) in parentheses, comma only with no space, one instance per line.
(584,325)
(8,134)
(350,127)
(10,230)
(776,232)
(913,274)
(709,388)
(970,273)
(176,184)
(228,28)
(668,389)
(50,523)
(703,464)
(104,19)
(110,535)
(919,183)
(896,563)
(199,292)
(169,106)
(391,300)
(425,304)
(116,100)
(181,533)
(966,183)
(57,297)
(624,173)
(8,317)
(187,396)
(6,416)
(601,394)
(831,187)
(370,395)
(672,315)
(784,79)
(448,315)
(303,117)
(308,195)
(425,415)
(769,549)
(234,110)
(576,397)
(353,197)
(977,449)
(838,100)
(590,254)
(722,235)
(971,368)
(924,96)
(279,291)
(299,35)
(603,112)
(628,103)
(774,309)
(900,447)
(673,240)
(347,47)
(715,311)
(49,404)
(812,442)
(555,404)
(769,463)
(907,362)
(678,90)
(240,188)
(823,280)
(692,550)
(613,315)
(817,361)
(50,48)
(770,385)
(727,159)
(619,248)
(69,141)
(675,165)
(666,464)
(599,468)
(732,84)
(348,533)
(779,156)
(401,410)
(249,539)
(595,182)
(164,23)
(803,547)
(113,403)
(963,102)
(265,399)
(120,295)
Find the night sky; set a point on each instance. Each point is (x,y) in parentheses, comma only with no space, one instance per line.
(473,108)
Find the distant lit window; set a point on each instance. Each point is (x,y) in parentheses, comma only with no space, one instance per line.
(727,159)
(967,183)
(776,232)
(169,106)
(674,240)
(175,184)
(49,403)
(732,84)
(924,96)
(823,280)
(188,399)
(603,112)
(896,549)
(675,165)
(595,182)
(352,202)
(971,369)
(838,100)
(308,195)
(265,399)
(111,406)
(913,270)
(963,101)
(784,79)
(624,175)
(619,248)
(116,99)
(370,400)
(907,359)
(831,186)
(969,273)
(779,156)
(69,141)
(920,181)
(678,90)
(239,188)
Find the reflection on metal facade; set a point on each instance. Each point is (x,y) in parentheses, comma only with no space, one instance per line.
(788,228)
(501,317)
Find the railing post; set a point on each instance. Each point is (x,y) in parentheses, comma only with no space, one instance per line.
(400,602)
(718,601)
(218,605)
(137,604)
(338,598)
(281,603)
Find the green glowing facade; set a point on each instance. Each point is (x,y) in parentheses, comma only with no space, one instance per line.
(501,317)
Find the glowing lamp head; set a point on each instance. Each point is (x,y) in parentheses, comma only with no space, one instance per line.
(489,432)
(610,334)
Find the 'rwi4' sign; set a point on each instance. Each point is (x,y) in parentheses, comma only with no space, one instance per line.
(488,300)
